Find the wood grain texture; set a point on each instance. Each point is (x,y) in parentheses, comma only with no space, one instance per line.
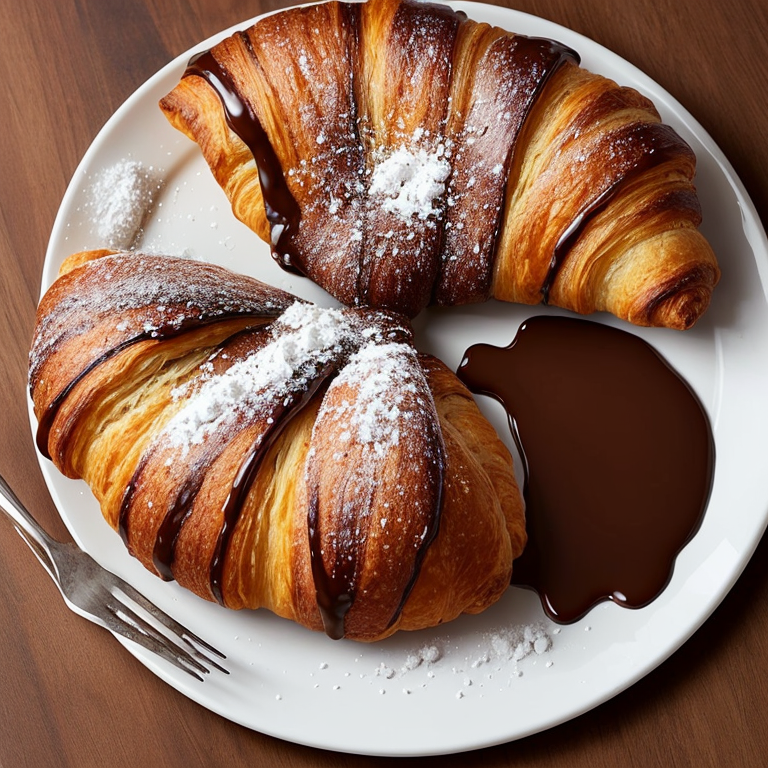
(69,694)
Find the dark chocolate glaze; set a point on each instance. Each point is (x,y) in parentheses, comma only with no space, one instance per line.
(653,144)
(173,522)
(241,485)
(167,331)
(174,519)
(555,55)
(282,209)
(168,533)
(529,62)
(429,537)
(542,56)
(618,454)
(336,591)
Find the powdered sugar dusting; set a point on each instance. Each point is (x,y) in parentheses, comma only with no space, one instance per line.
(385,378)
(465,669)
(140,293)
(120,198)
(410,181)
(383,382)
(514,643)
(501,656)
(303,339)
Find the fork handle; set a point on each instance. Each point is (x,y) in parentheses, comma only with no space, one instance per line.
(27,526)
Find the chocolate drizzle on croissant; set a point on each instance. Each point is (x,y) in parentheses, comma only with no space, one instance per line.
(433,159)
(265,452)
(281,208)
(642,148)
(344,547)
(204,292)
(485,123)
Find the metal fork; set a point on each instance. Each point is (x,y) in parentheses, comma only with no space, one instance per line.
(98,595)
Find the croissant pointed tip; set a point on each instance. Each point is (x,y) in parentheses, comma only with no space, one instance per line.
(680,305)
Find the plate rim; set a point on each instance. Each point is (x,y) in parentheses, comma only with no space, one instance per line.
(611,60)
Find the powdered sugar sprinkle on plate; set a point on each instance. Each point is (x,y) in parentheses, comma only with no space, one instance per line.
(120,198)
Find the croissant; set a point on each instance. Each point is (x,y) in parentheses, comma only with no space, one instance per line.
(400,155)
(265,452)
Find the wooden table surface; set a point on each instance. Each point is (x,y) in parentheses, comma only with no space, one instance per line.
(69,694)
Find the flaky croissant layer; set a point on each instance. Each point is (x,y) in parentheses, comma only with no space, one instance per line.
(400,154)
(265,452)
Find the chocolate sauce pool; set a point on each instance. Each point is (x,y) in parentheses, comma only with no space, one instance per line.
(618,454)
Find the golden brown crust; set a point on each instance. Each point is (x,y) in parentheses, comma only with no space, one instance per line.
(480,467)
(71,336)
(534,148)
(195,110)
(598,152)
(360,490)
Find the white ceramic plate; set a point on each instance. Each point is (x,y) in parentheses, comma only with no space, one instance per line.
(373,699)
